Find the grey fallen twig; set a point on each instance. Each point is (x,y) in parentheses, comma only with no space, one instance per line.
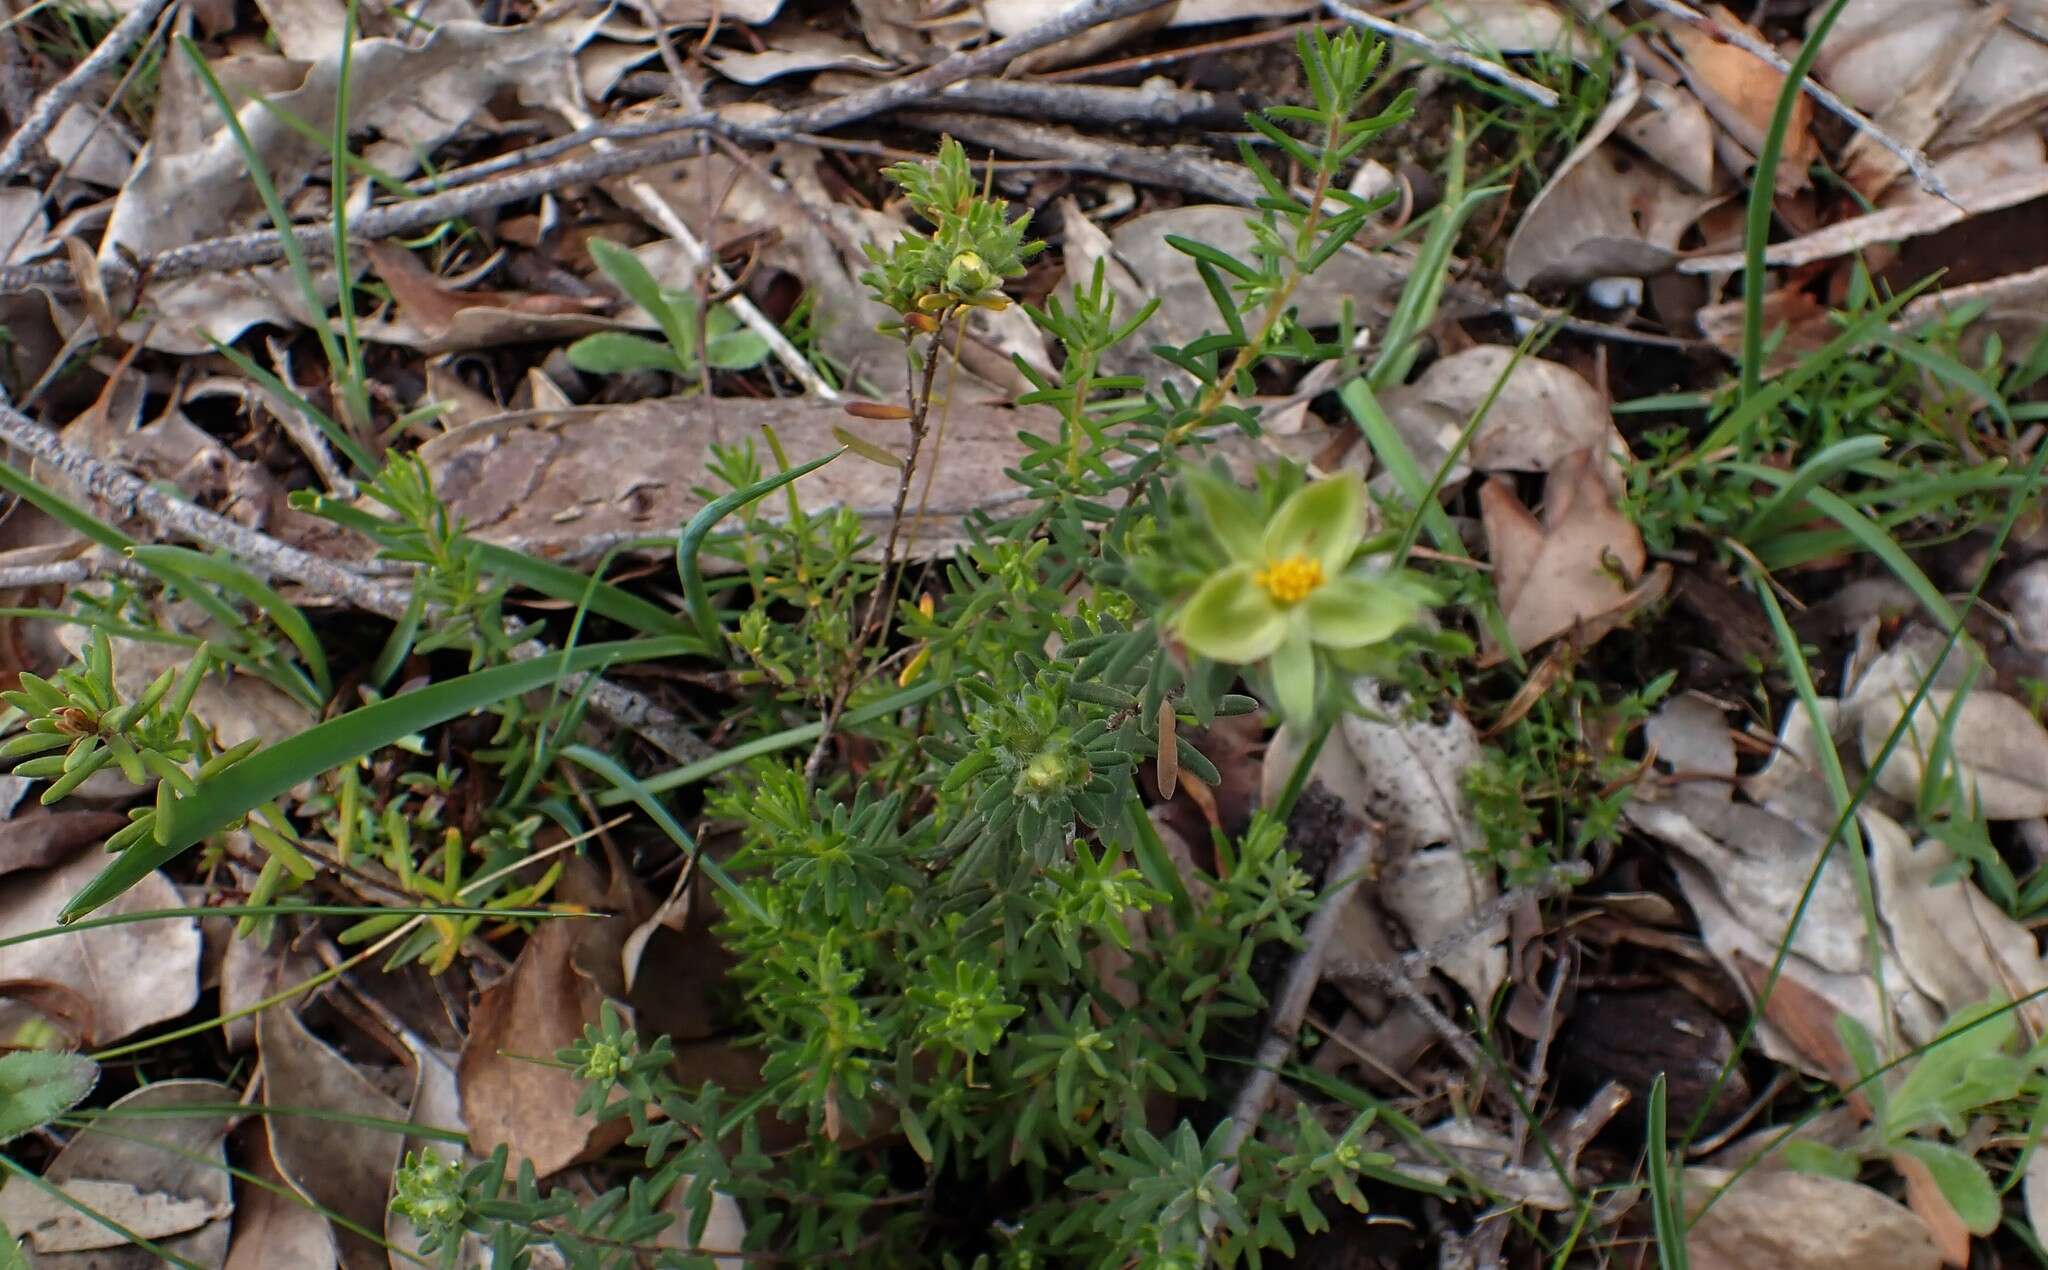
(1916,162)
(1283,1022)
(1176,167)
(129,495)
(440,203)
(1449,54)
(50,106)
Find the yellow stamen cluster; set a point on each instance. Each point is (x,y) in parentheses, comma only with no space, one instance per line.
(1289,581)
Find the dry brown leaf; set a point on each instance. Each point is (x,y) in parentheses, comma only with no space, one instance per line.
(182,1157)
(1807,1019)
(1578,571)
(273,1230)
(1925,1198)
(1802,1221)
(343,1166)
(1603,214)
(43,836)
(567,485)
(1740,91)
(436,318)
(510,1100)
(134,976)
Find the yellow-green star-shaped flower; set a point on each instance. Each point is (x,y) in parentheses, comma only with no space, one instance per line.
(1289,588)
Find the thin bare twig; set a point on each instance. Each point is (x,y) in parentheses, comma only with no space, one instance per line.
(875,618)
(50,106)
(1916,162)
(1283,1022)
(1177,167)
(242,250)
(128,495)
(1449,54)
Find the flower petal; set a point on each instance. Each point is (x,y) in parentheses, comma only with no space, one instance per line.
(1231,620)
(1223,506)
(1354,611)
(1324,521)
(1294,675)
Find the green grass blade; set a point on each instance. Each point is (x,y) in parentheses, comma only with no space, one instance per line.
(691,773)
(1815,471)
(233,578)
(559,582)
(700,526)
(1763,193)
(642,797)
(1667,1213)
(269,773)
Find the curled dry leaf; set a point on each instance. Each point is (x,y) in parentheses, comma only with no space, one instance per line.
(1603,214)
(1801,1221)
(436,318)
(179,1158)
(1543,413)
(338,1162)
(1578,571)
(133,976)
(1408,775)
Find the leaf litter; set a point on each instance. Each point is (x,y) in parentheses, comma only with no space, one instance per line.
(1736,814)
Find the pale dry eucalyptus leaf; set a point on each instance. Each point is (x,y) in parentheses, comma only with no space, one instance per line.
(1543,413)
(157,1151)
(1603,214)
(1802,1221)
(52,1225)
(272,1229)
(792,52)
(1504,27)
(566,485)
(1673,128)
(1876,48)
(1998,749)
(1408,774)
(134,975)
(1960,948)
(191,182)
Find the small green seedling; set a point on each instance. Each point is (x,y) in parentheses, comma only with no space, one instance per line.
(727,345)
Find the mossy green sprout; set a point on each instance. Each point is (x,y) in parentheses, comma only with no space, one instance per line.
(1290,587)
